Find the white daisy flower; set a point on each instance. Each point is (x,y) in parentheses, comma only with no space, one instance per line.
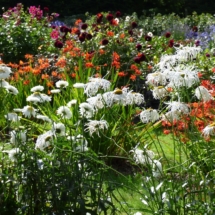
(171,116)
(38,88)
(17,137)
(59,128)
(108,98)
(143,157)
(149,115)
(11,89)
(71,103)
(156,79)
(79,85)
(3,83)
(159,92)
(86,110)
(157,169)
(94,126)
(178,106)
(19,110)
(202,93)
(44,118)
(38,97)
(138,98)
(64,112)
(209,130)
(28,111)
(55,91)
(103,83)
(12,117)
(13,153)
(4,71)
(44,140)
(96,101)
(61,84)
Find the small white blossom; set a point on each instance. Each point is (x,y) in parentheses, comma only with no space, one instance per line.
(61,84)
(159,92)
(12,117)
(79,85)
(29,111)
(4,71)
(38,97)
(71,103)
(149,115)
(97,101)
(157,169)
(178,106)
(59,128)
(64,112)
(86,110)
(202,93)
(44,118)
(44,140)
(11,89)
(55,91)
(13,153)
(94,126)
(142,157)
(209,130)
(38,88)
(18,137)
(3,83)
(156,79)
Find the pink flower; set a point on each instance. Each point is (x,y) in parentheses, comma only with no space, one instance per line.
(54,34)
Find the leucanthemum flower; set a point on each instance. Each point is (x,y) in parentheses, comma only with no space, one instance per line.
(38,97)
(96,101)
(149,115)
(12,117)
(38,88)
(78,85)
(4,71)
(28,111)
(11,89)
(94,126)
(44,118)
(44,140)
(55,91)
(71,103)
(157,169)
(209,130)
(156,79)
(61,84)
(13,153)
(170,116)
(159,92)
(143,157)
(3,83)
(178,106)
(64,112)
(18,137)
(86,110)
(202,93)
(59,129)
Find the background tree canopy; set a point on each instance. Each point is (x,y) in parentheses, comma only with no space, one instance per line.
(74,7)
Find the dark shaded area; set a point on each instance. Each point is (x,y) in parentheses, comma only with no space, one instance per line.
(74,7)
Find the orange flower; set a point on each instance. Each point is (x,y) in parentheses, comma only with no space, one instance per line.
(166,131)
(89,65)
(54,74)
(122,74)
(133,67)
(29,56)
(122,36)
(36,71)
(73,75)
(78,21)
(213,70)
(61,62)
(110,33)
(45,76)
(133,77)
(26,82)
(101,51)
(138,72)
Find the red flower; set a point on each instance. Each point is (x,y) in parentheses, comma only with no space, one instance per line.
(171,43)
(118,14)
(104,42)
(84,26)
(133,24)
(109,17)
(58,44)
(138,47)
(99,17)
(195,28)
(167,34)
